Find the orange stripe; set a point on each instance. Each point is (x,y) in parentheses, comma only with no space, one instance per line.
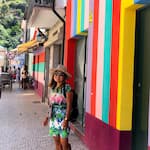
(114,63)
(40,58)
(94,57)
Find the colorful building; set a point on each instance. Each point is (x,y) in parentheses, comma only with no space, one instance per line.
(107,52)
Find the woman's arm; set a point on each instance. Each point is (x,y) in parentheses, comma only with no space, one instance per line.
(69,97)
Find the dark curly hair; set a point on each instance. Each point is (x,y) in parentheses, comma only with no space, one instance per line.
(53,83)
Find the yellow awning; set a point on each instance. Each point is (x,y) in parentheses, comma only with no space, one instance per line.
(25,46)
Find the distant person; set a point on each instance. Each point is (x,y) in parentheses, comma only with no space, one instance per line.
(9,70)
(24,75)
(18,75)
(6,69)
(14,71)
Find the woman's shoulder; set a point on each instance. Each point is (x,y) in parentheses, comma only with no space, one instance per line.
(67,87)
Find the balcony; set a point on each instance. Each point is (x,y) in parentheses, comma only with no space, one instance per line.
(40,14)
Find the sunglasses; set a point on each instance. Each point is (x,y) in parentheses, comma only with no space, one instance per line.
(59,74)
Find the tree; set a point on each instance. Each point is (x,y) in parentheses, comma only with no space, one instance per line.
(4,9)
(11,14)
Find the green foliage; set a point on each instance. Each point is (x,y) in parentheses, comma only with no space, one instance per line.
(4,10)
(11,15)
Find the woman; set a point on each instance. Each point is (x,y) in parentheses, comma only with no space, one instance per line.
(60,102)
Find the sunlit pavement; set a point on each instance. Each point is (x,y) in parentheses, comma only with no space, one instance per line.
(21,117)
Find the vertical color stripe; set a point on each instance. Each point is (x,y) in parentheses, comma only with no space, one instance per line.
(89,59)
(114,63)
(82,15)
(107,53)
(70,44)
(94,55)
(75,17)
(86,14)
(126,66)
(100,59)
(68,29)
(125,76)
(78,16)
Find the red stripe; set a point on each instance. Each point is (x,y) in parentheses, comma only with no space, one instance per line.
(40,58)
(94,56)
(114,62)
(68,30)
(70,45)
(35,35)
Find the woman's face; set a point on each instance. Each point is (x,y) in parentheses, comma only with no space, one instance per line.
(59,77)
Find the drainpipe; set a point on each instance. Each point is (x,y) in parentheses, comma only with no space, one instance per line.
(63,21)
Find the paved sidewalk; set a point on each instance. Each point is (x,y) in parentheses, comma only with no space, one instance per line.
(21,117)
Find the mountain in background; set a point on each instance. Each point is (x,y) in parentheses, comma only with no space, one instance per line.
(11,15)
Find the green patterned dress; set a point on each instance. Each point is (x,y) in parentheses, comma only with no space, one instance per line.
(59,105)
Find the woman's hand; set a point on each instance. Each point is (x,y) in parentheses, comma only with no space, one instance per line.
(65,124)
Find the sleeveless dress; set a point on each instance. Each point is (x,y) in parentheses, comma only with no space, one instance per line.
(58,112)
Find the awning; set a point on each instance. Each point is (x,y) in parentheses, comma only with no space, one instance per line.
(25,46)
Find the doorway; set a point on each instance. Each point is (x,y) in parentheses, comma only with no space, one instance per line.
(80,77)
(141,81)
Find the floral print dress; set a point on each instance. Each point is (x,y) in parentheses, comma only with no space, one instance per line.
(58,112)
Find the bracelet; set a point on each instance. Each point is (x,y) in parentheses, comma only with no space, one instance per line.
(66,119)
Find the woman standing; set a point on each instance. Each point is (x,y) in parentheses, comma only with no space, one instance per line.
(60,105)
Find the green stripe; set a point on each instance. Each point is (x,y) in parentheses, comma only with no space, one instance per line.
(107,57)
(82,15)
(39,67)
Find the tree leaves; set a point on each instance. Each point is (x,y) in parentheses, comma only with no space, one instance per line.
(11,14)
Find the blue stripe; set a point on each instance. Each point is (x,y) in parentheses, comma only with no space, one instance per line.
(82,15)
(107,57)
(75,17)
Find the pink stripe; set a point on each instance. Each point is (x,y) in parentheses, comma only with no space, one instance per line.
(100,59)
(39,89)
(86,19)
(39,76)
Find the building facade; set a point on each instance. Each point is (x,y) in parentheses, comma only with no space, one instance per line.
(107,53)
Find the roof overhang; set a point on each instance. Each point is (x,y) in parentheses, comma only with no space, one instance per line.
(44,17)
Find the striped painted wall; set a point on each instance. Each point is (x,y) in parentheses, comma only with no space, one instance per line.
(111,87)
(111,36)
(79,19)
(108,101)
(38,71)
(110,68)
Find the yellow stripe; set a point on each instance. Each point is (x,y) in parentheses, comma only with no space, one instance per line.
(126,65)
(79,17)
(83,33)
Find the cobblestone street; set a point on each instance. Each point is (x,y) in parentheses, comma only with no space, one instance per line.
(21,117)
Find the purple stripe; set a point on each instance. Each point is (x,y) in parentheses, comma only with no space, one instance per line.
(89,60)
